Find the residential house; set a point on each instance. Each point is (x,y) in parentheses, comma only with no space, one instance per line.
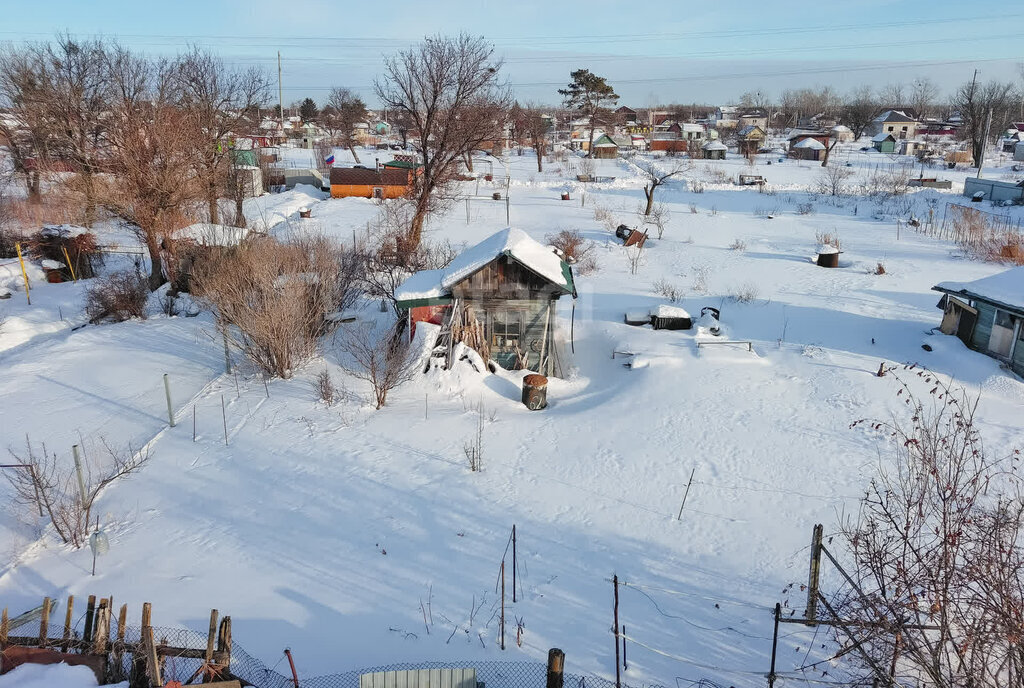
(755,117)
(884,142)
(988,315)
(366,182)
(497,297)
(895,122)
(626,115)
(798,135)
(934,127)
(727,117)
(750,138)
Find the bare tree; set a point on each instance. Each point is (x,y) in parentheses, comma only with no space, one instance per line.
(55,489)
(384,359)
(537,127)
(276,300)
(344,110)
(655,176)
(859,109)
(924,94)
(590,94)
(937,551)
(78,106)
(27,129)
(439,86)
(893,96)
(974,101)
(833,181)
(151,145)
(223,102)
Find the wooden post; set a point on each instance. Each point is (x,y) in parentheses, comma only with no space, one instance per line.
(812,578)
(224,642)
(102,628)
(139,661)
(4,623)
(210,639)
(70,266)
(502,604)
(775,644)
(67,623)
(44,622)
(625,664)
(615,630)
(152,660)
(90,611)
(147,614)
(224,415)
(556,664)
(118,646)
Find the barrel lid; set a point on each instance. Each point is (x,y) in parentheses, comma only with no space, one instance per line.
(535,380)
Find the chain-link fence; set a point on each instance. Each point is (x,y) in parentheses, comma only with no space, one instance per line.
(181,652)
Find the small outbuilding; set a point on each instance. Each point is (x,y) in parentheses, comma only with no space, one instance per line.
(842,133)
(750,139)
(366,182)
(1018,152)
(807,149)
(497,297)
(713,150)
(884,143)
(605,147)
(988,315)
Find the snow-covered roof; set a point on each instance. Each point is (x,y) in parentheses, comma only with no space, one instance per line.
(893,116)
(813,144)
(666,311)
(882,137)
(208,234)
(1005,288)
(511,242)
(714,145)
(841,129)
(689,126)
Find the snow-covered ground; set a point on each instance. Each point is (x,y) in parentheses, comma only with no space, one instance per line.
(335,531)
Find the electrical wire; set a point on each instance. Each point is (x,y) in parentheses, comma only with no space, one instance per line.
(697,625)
(639,586)
(689,661)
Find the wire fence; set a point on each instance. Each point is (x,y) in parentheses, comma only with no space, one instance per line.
(181,650)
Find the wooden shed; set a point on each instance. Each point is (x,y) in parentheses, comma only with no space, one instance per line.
(713,150)
(988,315)
(807,148)
(366,182)
(605,147)
(884,143)
(498,297)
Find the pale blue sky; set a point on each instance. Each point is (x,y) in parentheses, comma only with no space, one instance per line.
(651,52)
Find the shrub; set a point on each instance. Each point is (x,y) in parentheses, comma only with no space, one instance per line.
(693,208)
(827,239)
(574,249)
(276,299)
(325,389)
(384,360)
(879,269)
(117,297)
(52,242)
(805,208)
(747,293)
(697,187)
(669,291)
(701,272)
(738,245)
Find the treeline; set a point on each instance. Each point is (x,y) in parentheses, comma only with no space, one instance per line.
(145,139)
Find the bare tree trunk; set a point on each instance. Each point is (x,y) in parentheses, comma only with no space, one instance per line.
(34,195)
(156,273)
(352,149)
(239,199)
(590,146)
(90,197)
(211,201)
(469,161)
(828,151)
(649,193)
(540,158)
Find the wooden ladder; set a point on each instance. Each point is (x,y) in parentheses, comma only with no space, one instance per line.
(444,344)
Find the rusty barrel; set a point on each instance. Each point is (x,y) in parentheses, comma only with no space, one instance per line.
(828,259)
(535,392)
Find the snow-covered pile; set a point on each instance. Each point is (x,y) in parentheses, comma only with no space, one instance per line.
(52,676)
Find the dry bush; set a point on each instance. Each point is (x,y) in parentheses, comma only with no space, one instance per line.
(693,208)
(574,250)
(696,186)
(880,269)
(51,242)
(935,550)
(746,293)
(473,448)
(669,291)
(325,389)
(276,299)
(701,273)
(384,359)
(715,175)
(805,209)
(659,216)
(833,181)
(827,239)
(606,217)
(50,485)
(117,297)
(738,245)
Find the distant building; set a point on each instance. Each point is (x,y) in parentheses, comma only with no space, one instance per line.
(895,122)
(713,150)
(808,148)
(884,142)
(626,115)
(364,182)
(750,138)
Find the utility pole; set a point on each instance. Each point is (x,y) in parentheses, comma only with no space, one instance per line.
(280,97)
(984,142)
